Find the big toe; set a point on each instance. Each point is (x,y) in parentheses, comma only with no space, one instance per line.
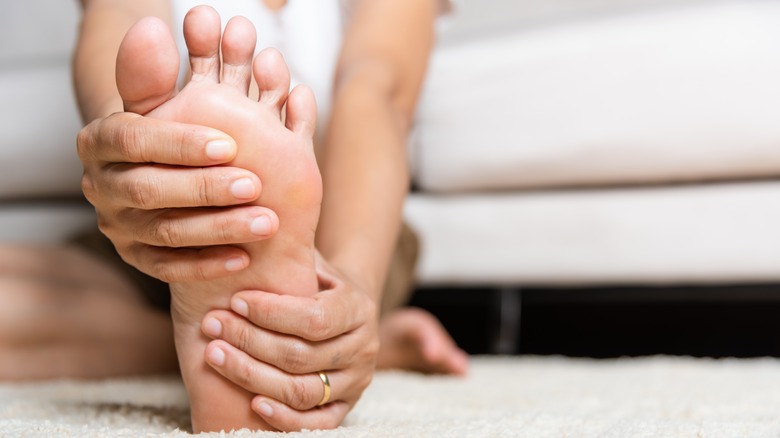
(147,66)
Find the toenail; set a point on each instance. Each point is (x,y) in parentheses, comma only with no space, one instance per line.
(243,188)
(212,327)
(239,306)
(235,264)
(219,150)
(217,357)
(261,226)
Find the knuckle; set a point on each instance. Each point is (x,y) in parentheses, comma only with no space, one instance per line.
(181,137)
(161,269)
(142,191)
(225,227)
(296,395)
(182,270)
(201,271)
(166,273)
(104,225)
(243,338)
(129,142)
(294,357)
(317,323)
(84,144)
(204,196)
(244,375)
(166,233)
(371,349)
(88,188)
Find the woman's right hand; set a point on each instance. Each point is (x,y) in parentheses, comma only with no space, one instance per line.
(154,185)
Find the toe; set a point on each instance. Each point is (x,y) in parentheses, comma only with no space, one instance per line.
(238,46)
(147,66)
(273,78)
(301,109)
(202,32)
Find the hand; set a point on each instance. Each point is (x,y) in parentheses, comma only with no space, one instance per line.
(275,344)
(153,182)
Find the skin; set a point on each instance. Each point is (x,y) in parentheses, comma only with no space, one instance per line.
(379,75)
(275,138)
(66,313)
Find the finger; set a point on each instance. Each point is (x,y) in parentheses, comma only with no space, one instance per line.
(282,417)
(202,32)
(238,46)
(177,228)
(151,186)
(273,78)
(173,265)
(322,316)
(301,111)
(288,353)
(130,138)
(299,391)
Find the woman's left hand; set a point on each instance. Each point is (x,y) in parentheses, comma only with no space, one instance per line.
(276,345)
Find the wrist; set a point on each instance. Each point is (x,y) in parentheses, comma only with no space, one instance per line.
(366,280)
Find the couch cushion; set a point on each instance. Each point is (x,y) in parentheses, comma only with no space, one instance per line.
(39,121)
(38,114)
(485,18)
(37,31)
(677,93)
(719,233)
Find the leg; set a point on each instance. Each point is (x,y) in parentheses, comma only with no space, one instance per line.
(410,338)
(413,339)
(280,153)
(67,314)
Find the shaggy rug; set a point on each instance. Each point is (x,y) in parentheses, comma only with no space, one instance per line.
(502,397)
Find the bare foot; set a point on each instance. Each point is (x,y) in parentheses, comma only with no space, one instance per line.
(279,152)
(413,339)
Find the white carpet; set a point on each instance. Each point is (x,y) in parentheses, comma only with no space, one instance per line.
(502,397)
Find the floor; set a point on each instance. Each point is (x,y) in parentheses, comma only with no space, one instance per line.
(722,321)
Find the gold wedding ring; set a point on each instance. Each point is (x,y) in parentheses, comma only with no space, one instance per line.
(325,388)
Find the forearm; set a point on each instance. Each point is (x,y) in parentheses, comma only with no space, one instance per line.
(365,178)
(363,161)
(364,164)
(104,24)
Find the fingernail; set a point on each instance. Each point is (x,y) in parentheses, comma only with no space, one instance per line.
(265,409)
(212,327)
(235,264)
(239,306)
(219,149)
(261,225)
(217,357)
(243,188)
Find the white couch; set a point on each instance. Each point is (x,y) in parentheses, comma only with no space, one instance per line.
(559,142)
(592,142)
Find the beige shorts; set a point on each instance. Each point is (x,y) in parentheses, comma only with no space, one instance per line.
(398,286)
